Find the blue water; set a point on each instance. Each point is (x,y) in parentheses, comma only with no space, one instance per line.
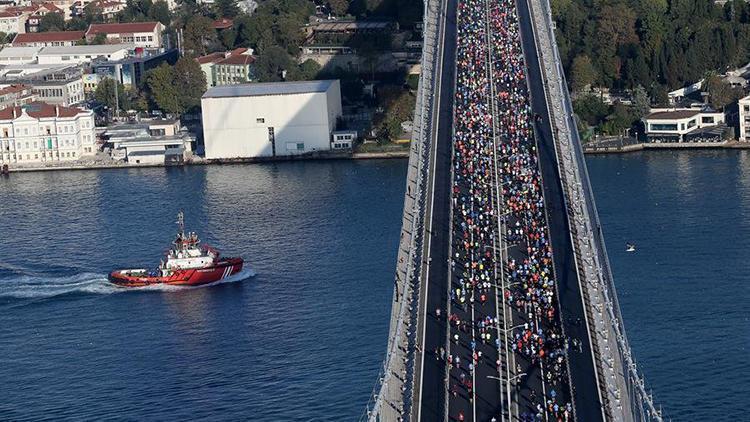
(304,338)
(684,292)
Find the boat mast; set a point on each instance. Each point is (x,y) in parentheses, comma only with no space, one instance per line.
(181,225)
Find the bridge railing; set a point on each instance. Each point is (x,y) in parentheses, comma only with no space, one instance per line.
(615,364)
(391,396)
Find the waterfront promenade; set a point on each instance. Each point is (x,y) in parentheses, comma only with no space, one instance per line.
(197,161)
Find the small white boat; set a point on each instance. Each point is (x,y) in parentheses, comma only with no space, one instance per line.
(629,247)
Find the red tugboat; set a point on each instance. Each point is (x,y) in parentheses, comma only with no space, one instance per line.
(187,263)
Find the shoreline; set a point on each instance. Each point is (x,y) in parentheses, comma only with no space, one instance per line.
(203,161)
(368,156)
(593,150)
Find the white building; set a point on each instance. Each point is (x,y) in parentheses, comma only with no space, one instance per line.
(157,141)
(744,104)
(142,34)
(19,55)
(270,119)
(13,22)
(343,139)
(682,125)
(679,94)
(53,84)
(230,67)
(40,132)
(83,53)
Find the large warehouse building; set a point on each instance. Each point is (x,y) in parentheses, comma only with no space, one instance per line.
(270,119)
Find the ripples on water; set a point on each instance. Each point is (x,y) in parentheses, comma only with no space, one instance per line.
(304,338)
(684,292)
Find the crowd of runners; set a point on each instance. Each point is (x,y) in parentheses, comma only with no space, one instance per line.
(500,249)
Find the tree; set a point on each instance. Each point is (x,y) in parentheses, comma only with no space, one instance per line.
(338,7)
(228,38)
(590,109)
(398,106)
(140,103)
(641,102)
(409,12)
(582,73)
(288,33)
(159,11)
(189,82)
(99,39)
(306,71)
(652,27)
(52,22)
(177,89)
(199,34)
(160,82)
(254,31)
(619,120)
(92,14)
(272,64)
(226,8)
(76,23)
(720,94)
(659,95)
(135,11)
(105,94)
(616,27)
(274,23)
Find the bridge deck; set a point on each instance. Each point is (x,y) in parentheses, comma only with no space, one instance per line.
(502,302)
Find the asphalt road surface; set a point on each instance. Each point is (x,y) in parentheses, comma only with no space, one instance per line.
(581,365)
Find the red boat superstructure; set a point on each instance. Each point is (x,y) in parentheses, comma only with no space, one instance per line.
(187,263)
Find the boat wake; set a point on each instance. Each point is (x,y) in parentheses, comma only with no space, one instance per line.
(37,287)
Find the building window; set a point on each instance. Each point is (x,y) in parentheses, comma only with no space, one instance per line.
(661,127)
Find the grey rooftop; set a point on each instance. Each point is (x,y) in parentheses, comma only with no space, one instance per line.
(268,88)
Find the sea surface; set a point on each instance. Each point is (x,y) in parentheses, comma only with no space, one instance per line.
(304,338)
(684,292)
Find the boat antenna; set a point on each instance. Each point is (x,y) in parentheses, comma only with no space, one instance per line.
(181,223)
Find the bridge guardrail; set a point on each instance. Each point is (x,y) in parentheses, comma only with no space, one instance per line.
(391,397)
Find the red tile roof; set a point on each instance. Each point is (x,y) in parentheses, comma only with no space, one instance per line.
(238,59)
(216,57)
(210,58)
(32,37)
(121,28)
(14,88)
(40,110)
(672,115)
(223,23)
